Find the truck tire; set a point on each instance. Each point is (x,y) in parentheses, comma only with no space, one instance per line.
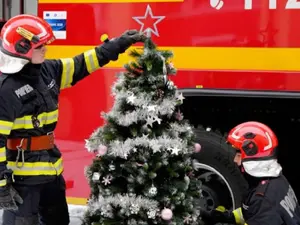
(216,161)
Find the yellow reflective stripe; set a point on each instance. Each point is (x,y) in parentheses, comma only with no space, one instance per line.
(2,154)
(67,72)
(238,215)
(44,118)
(36,168)
(5,127)
(221,208)
(3,182)
(91,60)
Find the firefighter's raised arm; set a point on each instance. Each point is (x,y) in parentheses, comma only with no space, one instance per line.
(68,71)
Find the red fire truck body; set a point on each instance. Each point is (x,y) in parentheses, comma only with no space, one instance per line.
(247,49)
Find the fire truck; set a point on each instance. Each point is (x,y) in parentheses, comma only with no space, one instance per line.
(237,61)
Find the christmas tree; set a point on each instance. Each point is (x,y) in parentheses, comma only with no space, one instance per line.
(143,171)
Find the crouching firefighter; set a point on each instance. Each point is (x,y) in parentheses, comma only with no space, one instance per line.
(32,188)
(270,199)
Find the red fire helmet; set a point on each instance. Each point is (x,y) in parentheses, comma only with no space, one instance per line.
(23,33)
(254,140)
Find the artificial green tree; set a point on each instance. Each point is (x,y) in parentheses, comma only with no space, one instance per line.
(143,171)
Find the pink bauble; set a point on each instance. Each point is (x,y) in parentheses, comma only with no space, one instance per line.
(166,214)
(102,149)
(197,147)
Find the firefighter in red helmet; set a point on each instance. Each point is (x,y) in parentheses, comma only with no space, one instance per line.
(270,199)
(32,188)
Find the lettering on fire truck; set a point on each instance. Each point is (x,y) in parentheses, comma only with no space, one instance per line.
(290,4)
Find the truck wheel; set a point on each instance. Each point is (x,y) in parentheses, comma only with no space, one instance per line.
(222,182)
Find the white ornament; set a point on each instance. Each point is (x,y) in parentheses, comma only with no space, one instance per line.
(107,180)
(166,214)
(156,119)
(152,191)
(151,214)
(174,150)
(111,167)
(96,176)
(180,97)
(131,99)
(134,209)
(188,219)
(151,108)
(150,121)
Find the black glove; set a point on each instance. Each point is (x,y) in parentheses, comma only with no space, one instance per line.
(9,197)
(215,216)
(129,38)
(111,49)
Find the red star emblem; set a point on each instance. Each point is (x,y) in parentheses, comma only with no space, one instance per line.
(149,22)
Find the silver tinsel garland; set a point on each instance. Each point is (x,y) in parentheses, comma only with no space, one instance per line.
(142,101)
(124,148)
(129,204)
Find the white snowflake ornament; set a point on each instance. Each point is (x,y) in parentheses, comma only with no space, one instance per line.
(188,219)
(151,214)
(152,191)
(107,180)
(134,209)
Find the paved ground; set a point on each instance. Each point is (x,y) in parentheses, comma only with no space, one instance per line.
(75,214)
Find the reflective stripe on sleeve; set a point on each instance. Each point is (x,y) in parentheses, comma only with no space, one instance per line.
(3,182)
(238,215)
(36,168)
(67,72)
(2,154)
(5,127)
(221,208)
(91,60)
(44,118)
